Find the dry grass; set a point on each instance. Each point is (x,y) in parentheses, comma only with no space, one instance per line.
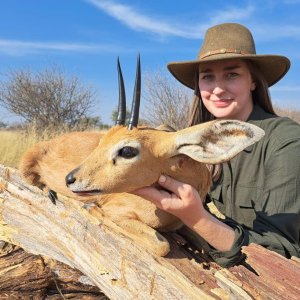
(13,145)
(288,111)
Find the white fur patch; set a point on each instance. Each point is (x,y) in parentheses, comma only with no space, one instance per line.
(78,186)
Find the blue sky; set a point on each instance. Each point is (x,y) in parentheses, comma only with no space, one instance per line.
(85,37)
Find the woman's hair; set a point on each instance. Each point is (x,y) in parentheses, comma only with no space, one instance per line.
(199,113)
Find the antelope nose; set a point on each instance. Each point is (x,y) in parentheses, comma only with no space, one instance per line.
(70,178)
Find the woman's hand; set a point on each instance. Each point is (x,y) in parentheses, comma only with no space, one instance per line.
(175,197)
(184,202)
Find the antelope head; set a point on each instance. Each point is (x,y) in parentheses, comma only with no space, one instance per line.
(130,157)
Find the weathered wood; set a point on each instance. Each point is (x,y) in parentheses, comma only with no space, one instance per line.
(98,248)
(276,275)
(27,276)
(14,264)
(74,245)
(272,277)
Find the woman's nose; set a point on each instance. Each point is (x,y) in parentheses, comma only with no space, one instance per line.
(219,87)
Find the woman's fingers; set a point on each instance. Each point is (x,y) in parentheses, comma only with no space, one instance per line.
(152,194)
(167,198)
(180,189)
(176,197)
(170,184)
(146,192)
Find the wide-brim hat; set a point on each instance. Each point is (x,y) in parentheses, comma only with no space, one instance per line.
(230,41)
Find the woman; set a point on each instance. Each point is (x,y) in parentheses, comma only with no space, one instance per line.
(259,190)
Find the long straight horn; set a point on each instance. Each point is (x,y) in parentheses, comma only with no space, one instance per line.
(122,98)
(134,118)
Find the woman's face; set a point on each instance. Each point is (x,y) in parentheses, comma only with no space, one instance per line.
(225,88)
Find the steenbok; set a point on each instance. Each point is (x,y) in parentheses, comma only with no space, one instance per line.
(105,168)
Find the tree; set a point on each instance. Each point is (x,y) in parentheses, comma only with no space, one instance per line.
(3,125)
(114,115)
(90,122)
(166,102)
(48,98)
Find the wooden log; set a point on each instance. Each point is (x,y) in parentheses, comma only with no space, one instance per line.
(276,276)
(268,276)
(27,276)
(96,247)
(89,253)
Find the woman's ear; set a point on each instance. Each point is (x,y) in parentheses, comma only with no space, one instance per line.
(253,86)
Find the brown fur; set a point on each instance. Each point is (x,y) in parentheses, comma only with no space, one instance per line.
(99,166)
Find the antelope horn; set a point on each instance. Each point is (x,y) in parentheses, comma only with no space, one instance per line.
(122,98)
(134,117)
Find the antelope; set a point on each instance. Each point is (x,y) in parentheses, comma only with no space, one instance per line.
(106,168)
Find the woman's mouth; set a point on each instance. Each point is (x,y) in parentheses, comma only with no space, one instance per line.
(222,102)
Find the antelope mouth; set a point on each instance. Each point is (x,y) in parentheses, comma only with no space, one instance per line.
(87,193)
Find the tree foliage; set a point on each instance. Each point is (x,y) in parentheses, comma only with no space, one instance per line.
(48,98)
(3,125)
(165,101)
(114,115)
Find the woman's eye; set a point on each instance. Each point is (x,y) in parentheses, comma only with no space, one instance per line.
(207,77)
(128,152)
(232,75)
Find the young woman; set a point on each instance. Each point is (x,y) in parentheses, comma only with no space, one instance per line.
(259,190)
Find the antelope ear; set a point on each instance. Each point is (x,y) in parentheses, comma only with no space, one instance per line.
(216,141)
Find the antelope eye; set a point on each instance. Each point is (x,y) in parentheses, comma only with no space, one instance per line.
(128,152)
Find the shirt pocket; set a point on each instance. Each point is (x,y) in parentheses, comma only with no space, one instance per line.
(244,211)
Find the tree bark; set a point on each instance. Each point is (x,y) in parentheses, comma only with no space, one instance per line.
(27,276)
(72,253)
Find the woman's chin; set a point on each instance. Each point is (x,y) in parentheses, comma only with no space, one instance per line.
(222,113)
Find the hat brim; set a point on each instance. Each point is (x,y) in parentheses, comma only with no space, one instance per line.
(273,67)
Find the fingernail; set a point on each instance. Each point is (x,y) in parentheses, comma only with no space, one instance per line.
(162,179)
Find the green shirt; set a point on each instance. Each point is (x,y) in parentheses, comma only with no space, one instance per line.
(259,190)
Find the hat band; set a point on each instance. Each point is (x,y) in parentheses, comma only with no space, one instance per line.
(223,51)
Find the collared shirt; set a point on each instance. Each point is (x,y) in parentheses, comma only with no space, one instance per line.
(259,190)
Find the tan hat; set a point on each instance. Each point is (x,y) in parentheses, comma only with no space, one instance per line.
(230,41)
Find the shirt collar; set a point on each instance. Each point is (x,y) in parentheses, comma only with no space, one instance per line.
(256,117)
(258,114)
